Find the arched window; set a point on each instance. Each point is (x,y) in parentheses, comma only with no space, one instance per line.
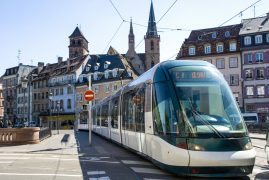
(151,45)
(76,54)
(73,42)
(79,42)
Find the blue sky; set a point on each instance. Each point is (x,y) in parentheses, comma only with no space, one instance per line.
(40,29)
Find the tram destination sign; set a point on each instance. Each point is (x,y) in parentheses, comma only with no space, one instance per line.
(178,75)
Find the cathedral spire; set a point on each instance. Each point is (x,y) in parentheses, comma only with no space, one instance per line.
(152,29)
(131,33)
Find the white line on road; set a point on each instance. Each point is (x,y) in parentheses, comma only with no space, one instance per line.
(6,162)
(100,178)
(95,172)
(135,162)
(148,170)
(36,174)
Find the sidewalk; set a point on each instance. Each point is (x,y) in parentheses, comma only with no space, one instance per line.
(51,145)
(257,136)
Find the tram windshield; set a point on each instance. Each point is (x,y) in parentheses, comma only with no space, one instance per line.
(206,104)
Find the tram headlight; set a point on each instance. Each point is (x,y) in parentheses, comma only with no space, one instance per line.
(196,147)
(248,146)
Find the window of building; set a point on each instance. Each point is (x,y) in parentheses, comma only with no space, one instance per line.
(95,76)
(247,40)
(260,90)
(207,49)
(130,73)
(96,89)
(234,79)
(259,57)
(107,88)
(115,72)
(219,48)
(249,74)
(69,103)
(267,38)
(191,50)
(220,63)
(258,39)
(249,57)
(260,73)
(69,90)
(57,92)
(61,91)
(62,104)
(232,46)
(152,45)
(227,34)
(214,35)
(43,95)
(249,90)
(106,74)
(233,62)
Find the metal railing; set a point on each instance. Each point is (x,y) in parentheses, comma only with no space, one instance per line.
(44,133)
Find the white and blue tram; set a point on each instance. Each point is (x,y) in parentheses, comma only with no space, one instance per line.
(183,117)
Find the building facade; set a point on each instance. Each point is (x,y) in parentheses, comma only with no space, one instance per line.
(255,69)
(11,80)
(1,103)
(221,47)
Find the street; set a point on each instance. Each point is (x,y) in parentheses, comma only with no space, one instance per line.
(54,160)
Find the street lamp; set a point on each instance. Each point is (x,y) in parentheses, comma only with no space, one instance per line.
(24,83)
(50,104)
(57,121)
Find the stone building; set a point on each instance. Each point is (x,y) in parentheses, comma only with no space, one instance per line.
(1,103)
(142,62)
(221,47)
(11,80)
(255,69)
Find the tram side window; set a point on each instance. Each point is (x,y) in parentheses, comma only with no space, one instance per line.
(104,115)
(163,111)
(114,113)
(98,114)
(139,101)
(129,111)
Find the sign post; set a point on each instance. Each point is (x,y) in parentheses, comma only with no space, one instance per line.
(89,96)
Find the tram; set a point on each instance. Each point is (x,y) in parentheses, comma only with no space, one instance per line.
(183,117)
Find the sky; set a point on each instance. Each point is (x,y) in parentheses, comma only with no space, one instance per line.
(40,29)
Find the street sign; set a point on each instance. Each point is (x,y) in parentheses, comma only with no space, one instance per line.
(89,95)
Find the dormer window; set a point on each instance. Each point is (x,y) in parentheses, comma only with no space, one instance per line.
(219,48)
(115,72)
(130,73)
(88,67)
(214,35)
(247,40)
(258,39)
(96,67)
(95,76)
(106,74)
(233,46)
(107,63)
(227,34)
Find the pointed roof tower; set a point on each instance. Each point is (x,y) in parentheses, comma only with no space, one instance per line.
(131,33)
(77,33)
(152,29)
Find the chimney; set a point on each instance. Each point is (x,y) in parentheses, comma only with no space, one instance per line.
(40,66)
(60,59)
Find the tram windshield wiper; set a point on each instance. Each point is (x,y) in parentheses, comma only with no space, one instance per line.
(204,121)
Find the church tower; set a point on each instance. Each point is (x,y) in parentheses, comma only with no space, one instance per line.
(78,44)
(131,42)
(152,41)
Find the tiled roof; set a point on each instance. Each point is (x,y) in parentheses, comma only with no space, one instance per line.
(253,25)
(205,35)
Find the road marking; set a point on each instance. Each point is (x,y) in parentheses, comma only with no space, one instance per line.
(36,174)
(6,162)
(100,178)
(14,158)
(135,162)
(148,170)
(95,172)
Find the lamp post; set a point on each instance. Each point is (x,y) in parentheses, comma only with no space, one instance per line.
(24,83)
(50,104)
(57,121)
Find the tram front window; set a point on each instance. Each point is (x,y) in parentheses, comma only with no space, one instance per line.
(206,103)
